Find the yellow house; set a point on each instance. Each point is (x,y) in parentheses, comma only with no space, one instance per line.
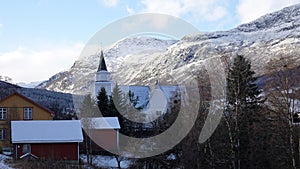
(18,107)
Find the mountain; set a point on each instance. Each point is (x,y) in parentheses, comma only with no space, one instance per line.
(144,60)
(29,85)
(80,77)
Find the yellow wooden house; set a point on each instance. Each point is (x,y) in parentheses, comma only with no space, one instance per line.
(18,107)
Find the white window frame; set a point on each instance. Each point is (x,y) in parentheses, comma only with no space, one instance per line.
(27,113)
(26,148)
(3,134)
(3,113)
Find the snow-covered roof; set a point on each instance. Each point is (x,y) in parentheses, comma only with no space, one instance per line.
(101,123)
(170,91)
(142,92)
(46,131)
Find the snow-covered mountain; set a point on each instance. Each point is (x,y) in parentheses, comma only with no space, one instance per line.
(141,61)
(80,77)
(30,84)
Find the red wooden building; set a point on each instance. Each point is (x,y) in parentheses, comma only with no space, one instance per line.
(47,140)
(104,131)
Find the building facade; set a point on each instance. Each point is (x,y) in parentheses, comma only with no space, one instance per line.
(104,131)
(19,108)
(47,139)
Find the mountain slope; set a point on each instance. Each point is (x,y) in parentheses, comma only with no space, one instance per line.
(80,77)
(144,60)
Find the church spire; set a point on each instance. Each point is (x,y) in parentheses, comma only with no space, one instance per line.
(102,64)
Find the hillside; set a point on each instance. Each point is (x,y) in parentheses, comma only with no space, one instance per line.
(142,61)
(55,101)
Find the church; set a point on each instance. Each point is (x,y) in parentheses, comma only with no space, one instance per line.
(154,103)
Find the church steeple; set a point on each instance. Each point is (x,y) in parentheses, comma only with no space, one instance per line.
(102,64)
(102,78)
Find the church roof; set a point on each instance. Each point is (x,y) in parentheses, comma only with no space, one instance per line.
(102,64)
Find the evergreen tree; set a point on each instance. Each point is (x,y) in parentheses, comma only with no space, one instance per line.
(122,105)
(242,111)
(88,107)
(132,99)
(102,102)
(116,102)
(241,87)
(117,106)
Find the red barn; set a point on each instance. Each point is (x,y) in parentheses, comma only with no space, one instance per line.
(51,140)
(104,131)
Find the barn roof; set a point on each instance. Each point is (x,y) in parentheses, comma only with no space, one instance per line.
(101,123)
(46,131)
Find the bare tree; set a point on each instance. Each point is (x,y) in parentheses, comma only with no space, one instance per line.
(283,98)
(88,110)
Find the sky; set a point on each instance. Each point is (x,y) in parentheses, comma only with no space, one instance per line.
(39,38)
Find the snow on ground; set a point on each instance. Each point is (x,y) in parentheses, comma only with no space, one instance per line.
(3,165)
(106,161)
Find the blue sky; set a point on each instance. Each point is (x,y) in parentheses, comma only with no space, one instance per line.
(39,38)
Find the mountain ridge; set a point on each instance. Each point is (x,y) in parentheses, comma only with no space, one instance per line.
(143,62)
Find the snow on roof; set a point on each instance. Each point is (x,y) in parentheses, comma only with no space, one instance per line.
(101,123)
(170,91)
(141,91)
(46,131)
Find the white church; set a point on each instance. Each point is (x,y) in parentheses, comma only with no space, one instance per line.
(154,102)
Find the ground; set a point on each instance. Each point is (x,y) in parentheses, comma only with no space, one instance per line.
(98,161)
(3,161)
(106,161)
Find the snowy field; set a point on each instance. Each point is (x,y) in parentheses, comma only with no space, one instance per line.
(4,158)
(106,161)
(99,161)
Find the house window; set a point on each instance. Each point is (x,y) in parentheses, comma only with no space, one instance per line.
(296,117)
(26,148)
(3,112)
(27,113)
(2,134)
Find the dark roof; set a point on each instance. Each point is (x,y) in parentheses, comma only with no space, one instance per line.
(102,64)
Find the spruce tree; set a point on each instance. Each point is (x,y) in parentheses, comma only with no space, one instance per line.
(102,102)
(116,102)
(241,87)
(88,107)
(122,105)
(242,110)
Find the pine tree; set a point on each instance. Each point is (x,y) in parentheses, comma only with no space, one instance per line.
(122,105)
(116,102)
(88,107)
(241,87)
(132,99)
(102,102)
(242,110)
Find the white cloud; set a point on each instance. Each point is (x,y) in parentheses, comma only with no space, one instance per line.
(217,13)
(197,9)
(159,22)
(249,10)
(28,65)
(130,10)
(110,3)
